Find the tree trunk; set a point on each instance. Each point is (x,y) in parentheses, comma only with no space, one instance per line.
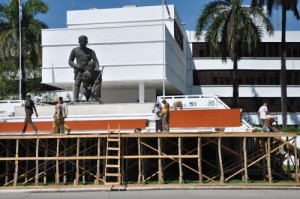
(235,84)
(283,69)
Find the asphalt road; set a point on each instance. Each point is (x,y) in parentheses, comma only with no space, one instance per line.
(157,194)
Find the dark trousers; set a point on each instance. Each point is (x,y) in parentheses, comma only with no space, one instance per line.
(28,120)
(158,125)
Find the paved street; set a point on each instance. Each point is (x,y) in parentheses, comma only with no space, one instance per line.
(158,194)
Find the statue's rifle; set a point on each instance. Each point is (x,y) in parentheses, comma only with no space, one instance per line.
(100,74)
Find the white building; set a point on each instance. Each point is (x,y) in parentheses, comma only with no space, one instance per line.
(147,52)
(134,44)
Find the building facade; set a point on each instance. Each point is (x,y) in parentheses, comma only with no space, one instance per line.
(147,52)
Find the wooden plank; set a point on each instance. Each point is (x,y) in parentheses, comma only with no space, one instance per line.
(151,135)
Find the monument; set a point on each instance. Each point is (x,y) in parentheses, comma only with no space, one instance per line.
(86,71)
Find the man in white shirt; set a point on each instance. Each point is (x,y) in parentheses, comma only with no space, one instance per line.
(61,112)
(263,111)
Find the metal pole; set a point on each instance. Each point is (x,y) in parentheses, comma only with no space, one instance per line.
(163,48)
(20,51)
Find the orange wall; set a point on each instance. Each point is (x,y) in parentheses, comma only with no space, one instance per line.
(205,118)
(178,118)
(77,125)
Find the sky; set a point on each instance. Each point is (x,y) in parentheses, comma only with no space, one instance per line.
(188,10)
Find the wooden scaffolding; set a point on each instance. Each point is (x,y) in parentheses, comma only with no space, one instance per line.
(144,158)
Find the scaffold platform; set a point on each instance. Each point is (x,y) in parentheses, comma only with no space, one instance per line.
(81,159)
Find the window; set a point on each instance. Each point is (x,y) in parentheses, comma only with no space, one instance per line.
(178,35)
(267,49)
(246,77)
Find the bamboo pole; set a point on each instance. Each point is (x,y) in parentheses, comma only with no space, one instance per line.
(288,157)
(45,163)
(246,178)
(124,163)
(77,162)
(174,161)
(199,151)
(180,160)
(296,161)
(84,165)
(26,164)
(139,162)
(160,172)
(98,161)
(143,162)
(261,157)
(7,151)
(65,163)
(220,160)
(37,162)
(57,162)
(268,151)
(16,164)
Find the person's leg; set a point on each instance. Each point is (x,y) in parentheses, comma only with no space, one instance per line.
(167,127)
(77,84)
(163,121)
(66,127)
(61,125)
(25,123)
(160,125)
(56,125)
(156,126)
(32,124)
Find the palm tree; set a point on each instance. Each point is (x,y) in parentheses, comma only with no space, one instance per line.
(290,5)
(31,33)
(230,28)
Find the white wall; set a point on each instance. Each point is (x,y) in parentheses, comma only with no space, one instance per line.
(129,42)
(127,95)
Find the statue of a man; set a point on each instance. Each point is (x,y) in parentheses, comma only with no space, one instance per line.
(86,71)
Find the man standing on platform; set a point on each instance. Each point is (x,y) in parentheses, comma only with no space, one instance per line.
(165,116)
(29,108)
(263,111)
(83,56)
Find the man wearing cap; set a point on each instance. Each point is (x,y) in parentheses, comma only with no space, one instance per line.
(29,108)
(268,124)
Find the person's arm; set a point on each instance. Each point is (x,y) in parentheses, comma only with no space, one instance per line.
(66,110)
(95,60)
(33,106)
(71,60)
(266,110)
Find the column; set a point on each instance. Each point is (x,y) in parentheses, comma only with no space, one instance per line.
(141,92)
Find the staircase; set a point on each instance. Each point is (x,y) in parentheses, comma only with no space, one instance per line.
(113,154)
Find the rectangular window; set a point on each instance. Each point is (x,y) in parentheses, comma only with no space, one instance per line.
(246,77)
(266,49)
